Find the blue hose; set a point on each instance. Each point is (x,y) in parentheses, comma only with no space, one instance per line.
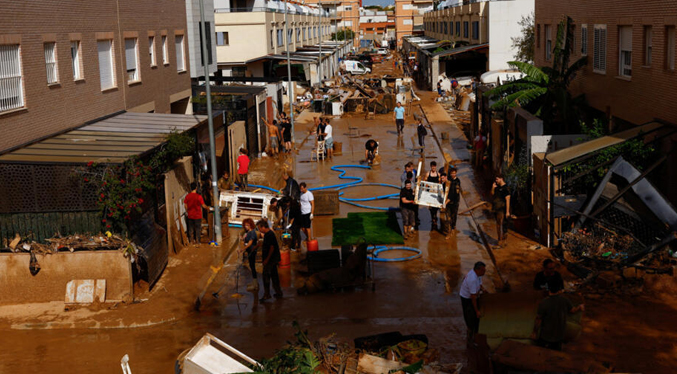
(382,248)
(355,181)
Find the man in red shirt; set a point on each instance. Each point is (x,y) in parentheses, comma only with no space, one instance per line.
(194,204)
(243,168)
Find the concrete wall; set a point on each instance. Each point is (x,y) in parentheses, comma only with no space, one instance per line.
(504,17)
(49,109)
(193,29)
(17,285)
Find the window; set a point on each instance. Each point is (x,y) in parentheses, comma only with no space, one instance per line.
(304,33)
(165,53)
(599,49)
(465,29)
(151,50)
(298,35)
(239,71)
(349,23)
(548,42)
(407,6)
(180,60)
(625,51)
(272,40)
(538,36)
(208,42)
(289,36)
(451,28)
(280,40)
(584,40)
(50,63)
(458,28)
(131,60)
(476,30)
(106,64)
(76,61)
(315,32)
(407,22)
(11,85)
(648,45)
(222,38)
(670,47)
(348,7)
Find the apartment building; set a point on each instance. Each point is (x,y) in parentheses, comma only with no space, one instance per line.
(630,73)
(66,63)
(194,32)
(409,17)
(377,25)
(468,38)
(251,40)
(344,14)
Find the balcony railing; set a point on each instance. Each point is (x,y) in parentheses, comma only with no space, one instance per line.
(270,10)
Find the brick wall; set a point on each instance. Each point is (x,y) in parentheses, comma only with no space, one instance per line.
(651,90)
(55,108)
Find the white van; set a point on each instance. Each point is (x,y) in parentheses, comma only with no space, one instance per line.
(355,67)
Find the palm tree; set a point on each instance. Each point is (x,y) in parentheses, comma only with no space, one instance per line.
(544,91)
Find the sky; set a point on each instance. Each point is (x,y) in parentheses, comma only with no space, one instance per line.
(377,2)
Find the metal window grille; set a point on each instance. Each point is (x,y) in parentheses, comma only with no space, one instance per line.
(670,47)
(599,58)
(11,85)
(648,45)
(165,55)
(548,42)
(106,65)
(75,59)
(151,50)
(180,61)
(131,58)
(50,63)
(584,40)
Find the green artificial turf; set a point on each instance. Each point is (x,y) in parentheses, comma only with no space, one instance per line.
(375,227)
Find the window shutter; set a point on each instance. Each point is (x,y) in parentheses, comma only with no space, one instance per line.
(602,44)
(130,54)
(50,62)
(106,76)
(626,38)
(596,47)
(179,53)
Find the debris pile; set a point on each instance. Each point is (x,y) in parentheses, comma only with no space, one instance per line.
(383,353)
(599,243)
(73,243)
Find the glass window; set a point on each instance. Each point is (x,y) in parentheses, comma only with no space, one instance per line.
(151,50)
(50,63)
(599,49)
(76,61)
(131,60)
(180,59)
(11,80)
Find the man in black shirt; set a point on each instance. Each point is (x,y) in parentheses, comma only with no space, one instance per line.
(291,188)
(549,278)
(370,150)
(551,319)
(270,252)
(452,201)
(407,206)
(501,205)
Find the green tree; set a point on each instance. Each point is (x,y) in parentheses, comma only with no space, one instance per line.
(524,44)
(343,34)
(545,91)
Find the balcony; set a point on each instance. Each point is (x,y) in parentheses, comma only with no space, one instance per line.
(275,7)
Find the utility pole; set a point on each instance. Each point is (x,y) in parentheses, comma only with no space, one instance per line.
(210,121)
(290,88)
(320,67)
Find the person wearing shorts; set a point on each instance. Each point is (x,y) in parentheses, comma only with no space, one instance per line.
(307,209)
(329,140)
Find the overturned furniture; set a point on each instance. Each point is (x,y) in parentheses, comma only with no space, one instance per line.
(212,356)
(245,205)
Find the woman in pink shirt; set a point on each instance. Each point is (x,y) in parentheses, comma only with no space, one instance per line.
(243,168)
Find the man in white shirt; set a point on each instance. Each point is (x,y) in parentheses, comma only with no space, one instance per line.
(329,139)
(470,293)
(307,209)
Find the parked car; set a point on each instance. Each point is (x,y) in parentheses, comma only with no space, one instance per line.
(382,51)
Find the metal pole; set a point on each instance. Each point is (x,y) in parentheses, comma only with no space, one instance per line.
(290,88)
(210,121)
(320,67)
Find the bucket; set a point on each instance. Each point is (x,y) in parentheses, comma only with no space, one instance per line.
(312,245)
(285,259)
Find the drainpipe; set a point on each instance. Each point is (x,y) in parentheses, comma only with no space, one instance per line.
(320,67)
(210,121)
(290,88)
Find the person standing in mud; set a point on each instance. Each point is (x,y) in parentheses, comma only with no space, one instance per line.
(500,206)
(248,249)
(451,202)
(471,289)
(399,116)
(270,252)
(273,136)
(433,176)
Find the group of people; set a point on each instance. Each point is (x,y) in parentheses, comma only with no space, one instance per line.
(279,134)
(451,184)
(325,133)
(551,316)
(400,115)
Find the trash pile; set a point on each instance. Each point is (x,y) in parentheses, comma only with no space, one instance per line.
(599,243)
(73,243)
(364,95)
(377,354)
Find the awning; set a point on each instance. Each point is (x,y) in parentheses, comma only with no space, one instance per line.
(467,48)
(572,153)
(111,140)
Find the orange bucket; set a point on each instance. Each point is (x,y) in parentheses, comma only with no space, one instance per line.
(313,246)
(285,259)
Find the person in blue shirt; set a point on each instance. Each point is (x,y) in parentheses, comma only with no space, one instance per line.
(399,116)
